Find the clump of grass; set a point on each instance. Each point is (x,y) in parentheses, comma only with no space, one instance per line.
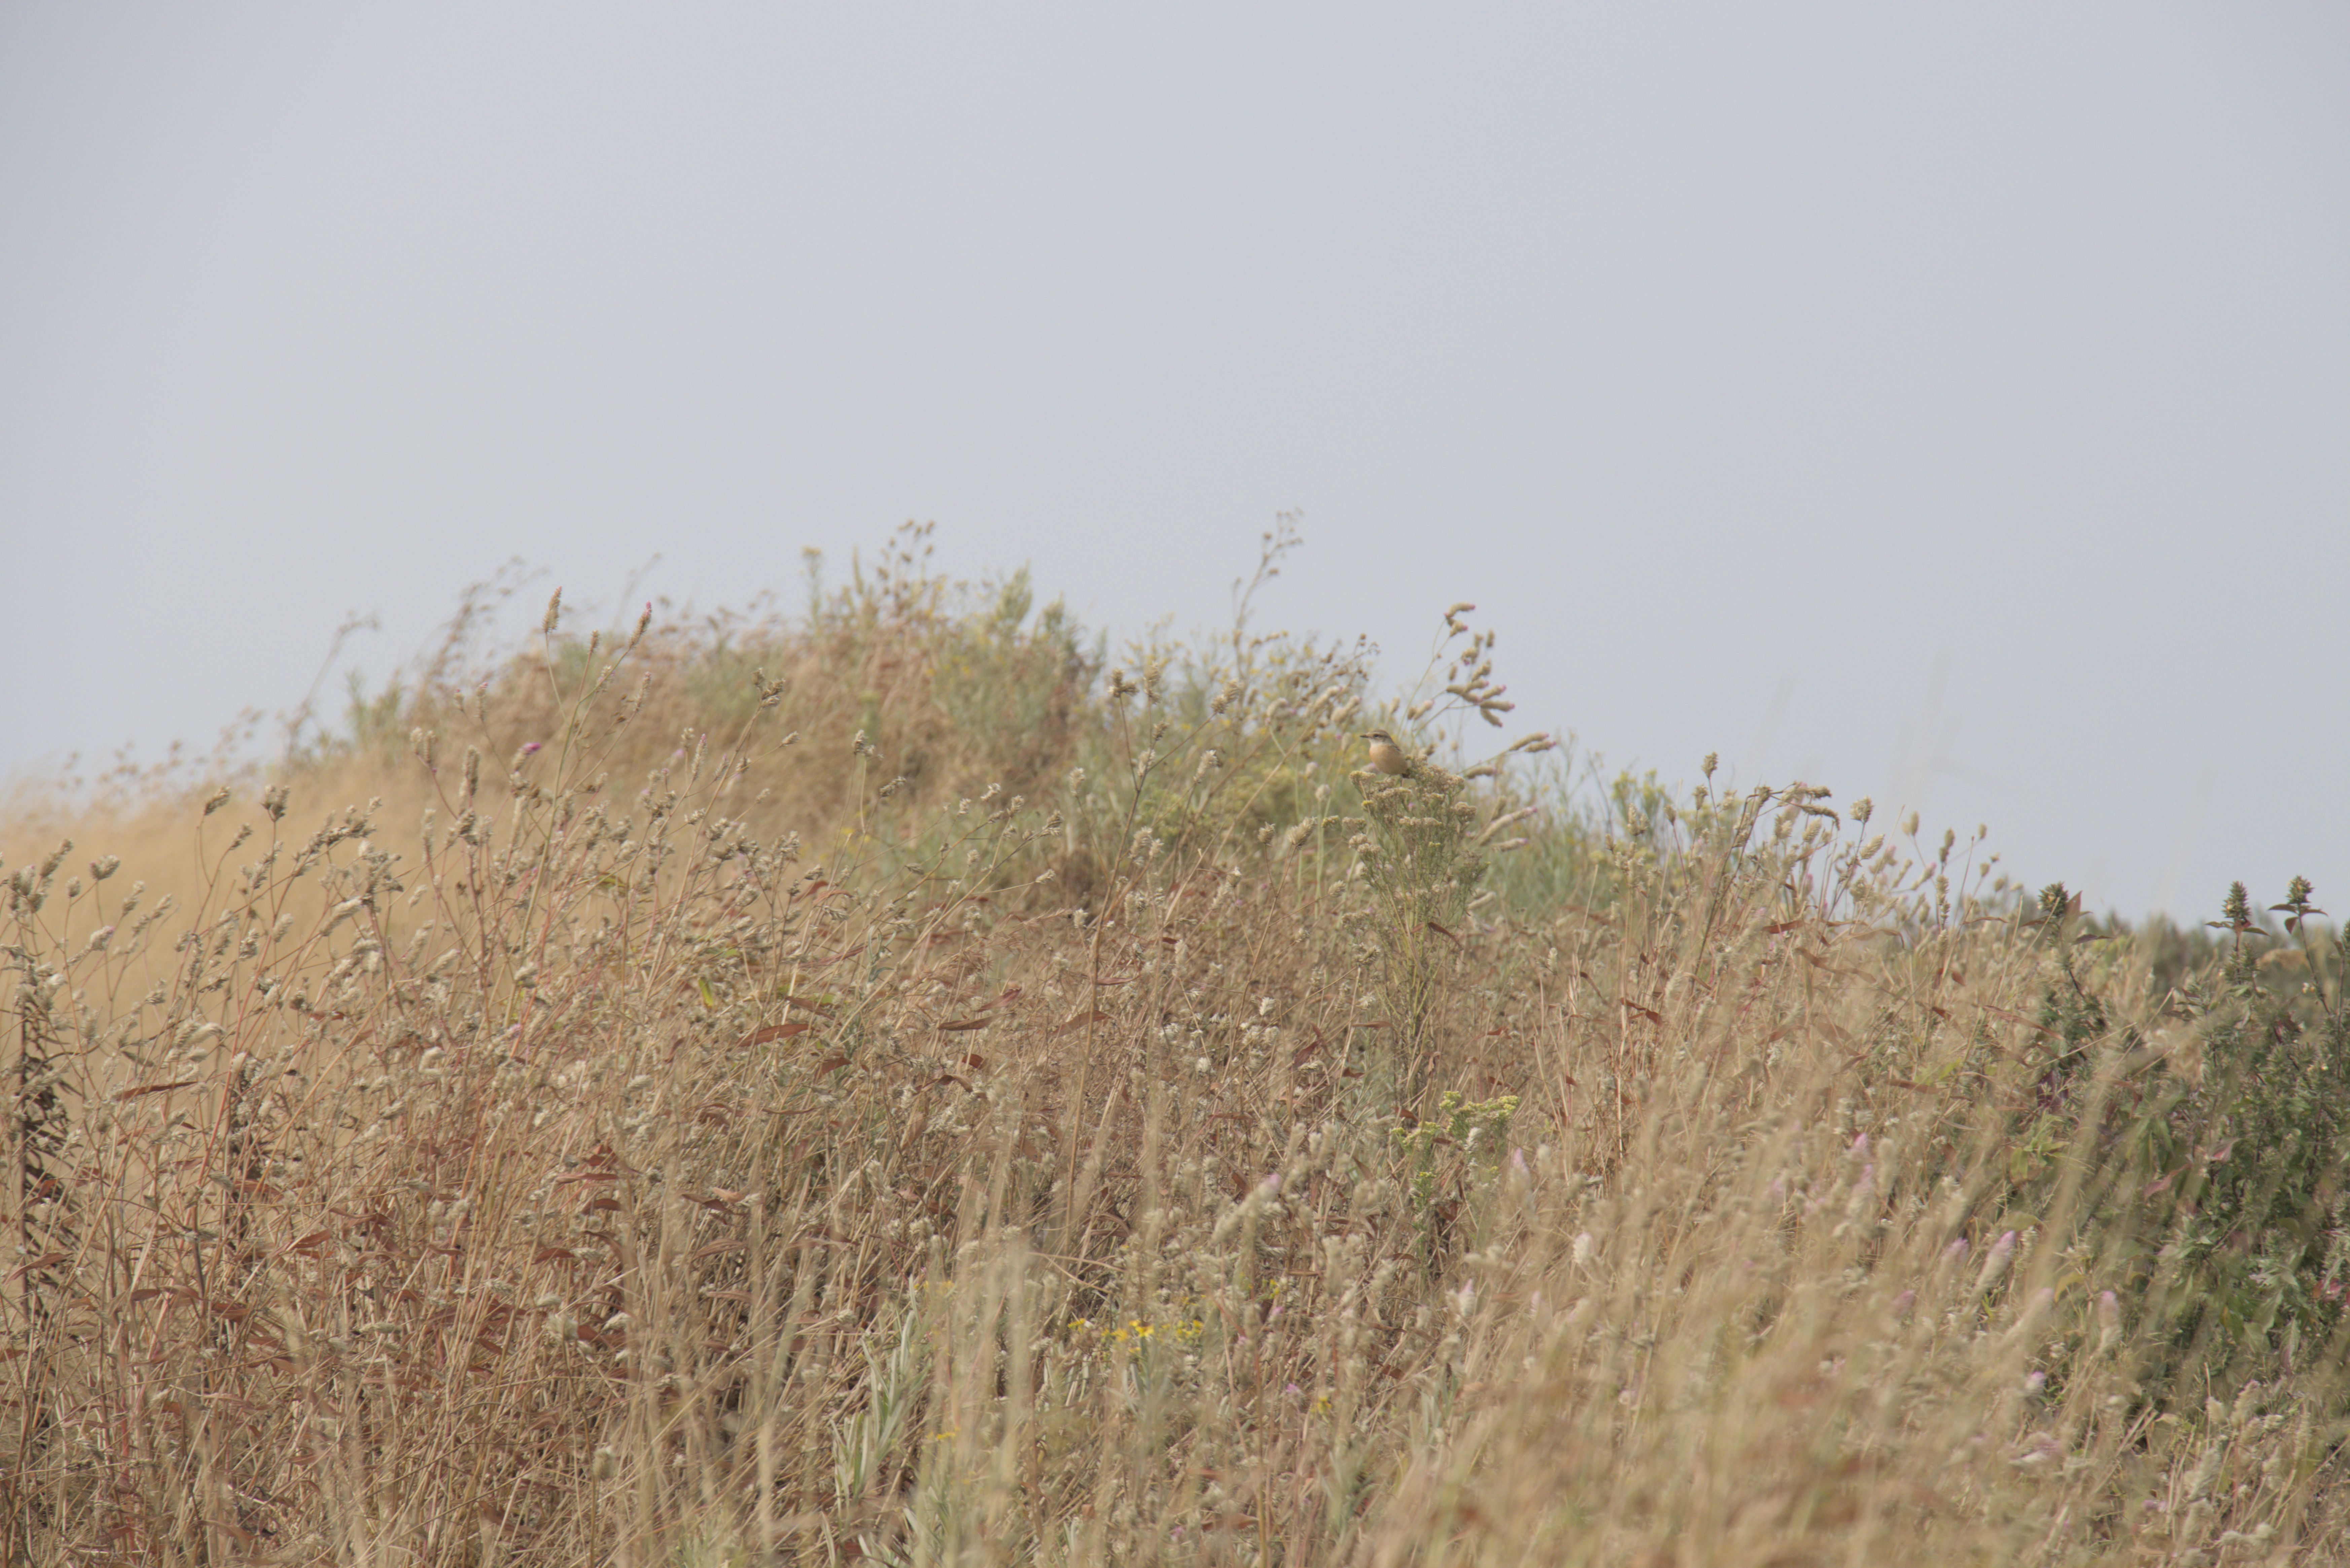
(1420,865)
(743,1104)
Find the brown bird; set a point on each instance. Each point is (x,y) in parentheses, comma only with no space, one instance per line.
(1385,755)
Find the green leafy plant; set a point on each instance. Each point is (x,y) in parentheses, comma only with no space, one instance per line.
(2264,1190)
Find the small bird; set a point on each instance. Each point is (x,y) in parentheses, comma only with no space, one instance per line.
(1385,755)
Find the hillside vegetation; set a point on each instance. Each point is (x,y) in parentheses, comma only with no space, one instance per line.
(897,1083)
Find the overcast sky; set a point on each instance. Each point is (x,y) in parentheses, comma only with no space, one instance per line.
(1950,403)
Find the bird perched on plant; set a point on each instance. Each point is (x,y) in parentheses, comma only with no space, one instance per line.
(1386,754)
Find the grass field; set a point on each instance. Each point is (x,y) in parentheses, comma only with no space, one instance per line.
(896,1082)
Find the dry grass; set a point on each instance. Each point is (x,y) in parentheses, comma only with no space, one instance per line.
(800,1153)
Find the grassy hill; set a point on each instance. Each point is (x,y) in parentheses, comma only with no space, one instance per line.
(896,1082)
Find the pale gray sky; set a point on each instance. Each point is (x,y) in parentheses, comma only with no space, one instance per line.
(1950,403)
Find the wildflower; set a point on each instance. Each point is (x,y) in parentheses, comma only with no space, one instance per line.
(1995,1261)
